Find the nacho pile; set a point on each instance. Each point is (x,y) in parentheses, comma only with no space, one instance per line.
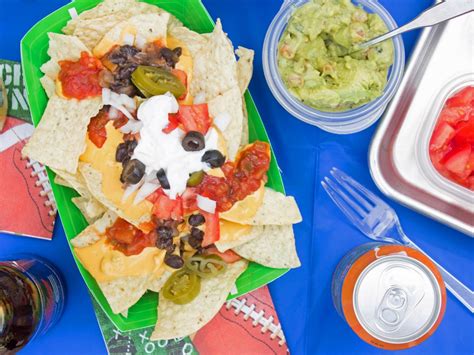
(146,121)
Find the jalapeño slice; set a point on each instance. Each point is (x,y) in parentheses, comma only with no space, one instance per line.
(206,265)
(182,287)
(153,81)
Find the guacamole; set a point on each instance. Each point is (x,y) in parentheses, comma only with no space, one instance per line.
(313,60)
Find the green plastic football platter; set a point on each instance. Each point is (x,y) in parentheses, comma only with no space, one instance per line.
(34,46)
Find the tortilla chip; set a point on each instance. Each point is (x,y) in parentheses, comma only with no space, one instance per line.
(155,284)
(192,40)
(93,179)
(224,245)
(92,25)
(244,67)
(124,292)
(74,181)
(274,247)
(49,86)
(229,102)
(58,140)
(244,138)
(61,47)
(276,209)
(124,314)
(58,180)
(215,67)
(150,26)
(105,8)
(90,208)
(90,235)
(181,320)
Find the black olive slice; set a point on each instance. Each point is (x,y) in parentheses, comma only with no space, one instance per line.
(214,158)
(132,172)
(193,141)
(161,175)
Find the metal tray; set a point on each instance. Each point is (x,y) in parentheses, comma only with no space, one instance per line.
(442,53)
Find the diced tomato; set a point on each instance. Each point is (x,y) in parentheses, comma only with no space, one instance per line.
(228,256)
(194,118)
(212,231)
(470,163)
(153,196)
(173,123)
(441,136)
(177,211)
(470,182)
(437,158)
(96,129)
(183,77)
(465,132)
(189,200)
(452,144)
(120,121)
(465,97)
(164,207)
(453,115)
(457,161)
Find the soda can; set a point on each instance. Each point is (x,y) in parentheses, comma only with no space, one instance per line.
(392,296)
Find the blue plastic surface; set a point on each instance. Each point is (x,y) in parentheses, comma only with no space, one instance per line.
(305,154)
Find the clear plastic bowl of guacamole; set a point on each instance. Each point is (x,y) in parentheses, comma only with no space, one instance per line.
(342,119)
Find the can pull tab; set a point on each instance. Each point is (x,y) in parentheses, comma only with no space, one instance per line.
(392,309)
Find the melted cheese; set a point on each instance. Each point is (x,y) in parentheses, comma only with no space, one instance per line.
(107,264)
(59,89)
(103,160)
(185,63)
(246,208)
(107,43)
(230,231)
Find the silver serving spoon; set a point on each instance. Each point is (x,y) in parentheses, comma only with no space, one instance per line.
(438,13)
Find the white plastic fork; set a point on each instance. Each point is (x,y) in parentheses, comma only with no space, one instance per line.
(378,221)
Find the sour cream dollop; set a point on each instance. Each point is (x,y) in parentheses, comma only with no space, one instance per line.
(158,150)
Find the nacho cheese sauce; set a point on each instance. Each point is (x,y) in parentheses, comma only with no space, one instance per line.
(107,264)
(231,231)
(312,56)
(247,208)
(159,150)
(103,160)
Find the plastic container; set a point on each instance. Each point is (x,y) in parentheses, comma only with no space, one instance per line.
(33,54)
(335,122)
(445,186)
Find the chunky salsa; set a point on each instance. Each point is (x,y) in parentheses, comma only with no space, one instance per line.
(96,129)
(242,177)
(128,239)
(80,79)
(452,143)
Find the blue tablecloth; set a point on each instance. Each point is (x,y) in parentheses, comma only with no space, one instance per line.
(305,154)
